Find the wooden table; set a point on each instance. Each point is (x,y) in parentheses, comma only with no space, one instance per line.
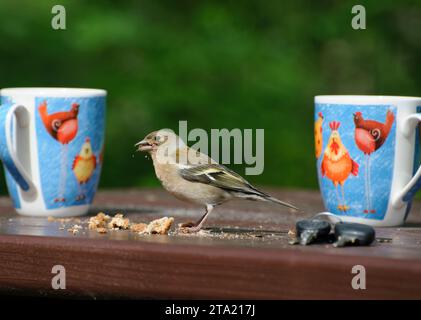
(235,264)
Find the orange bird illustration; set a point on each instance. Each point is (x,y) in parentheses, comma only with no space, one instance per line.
(369,137)
(84,166)
(63,127)
(337,164)
(318,135)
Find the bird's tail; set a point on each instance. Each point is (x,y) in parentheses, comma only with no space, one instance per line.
(390,117)
(43,108)
(259,195)
(283,203)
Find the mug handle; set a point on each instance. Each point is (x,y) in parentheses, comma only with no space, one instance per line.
(409,124)
(8,153)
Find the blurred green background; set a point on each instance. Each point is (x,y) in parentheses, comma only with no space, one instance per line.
(216,64)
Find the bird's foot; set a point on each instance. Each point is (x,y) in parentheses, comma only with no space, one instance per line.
(345,208)
(189,224)
(372,211)
(80,197)
(365,211)
(340,207)
(189,227)
(60,200)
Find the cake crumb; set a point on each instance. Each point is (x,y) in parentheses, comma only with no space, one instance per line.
(138,227)
(101,230)
(75,229)
(63,220)
(291,233)
(118,222)
(98,221)
(159,226)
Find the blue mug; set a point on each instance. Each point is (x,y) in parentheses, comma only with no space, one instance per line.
(51,146)
(368,159)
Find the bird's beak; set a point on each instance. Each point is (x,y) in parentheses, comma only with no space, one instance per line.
(143,145)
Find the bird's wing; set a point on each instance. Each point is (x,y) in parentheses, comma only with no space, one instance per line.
(218,176)
(95,161)
(74,162)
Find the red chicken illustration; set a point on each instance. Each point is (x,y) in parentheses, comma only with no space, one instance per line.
(337,164)
(369,137)
(63,127)
(84,166)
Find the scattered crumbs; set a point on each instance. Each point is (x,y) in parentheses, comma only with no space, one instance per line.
(102,223)
(75,229)
(158,226)
(99,221)
(291,232)
(200,233)
(138,227)
(102,230)
(118,222)
(384,240)
(63,220)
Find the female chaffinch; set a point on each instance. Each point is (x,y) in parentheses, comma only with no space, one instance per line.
(194,177)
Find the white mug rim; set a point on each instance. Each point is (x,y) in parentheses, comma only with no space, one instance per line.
(364,99)
(53,92)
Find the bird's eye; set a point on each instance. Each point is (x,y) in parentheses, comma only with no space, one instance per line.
(157,138)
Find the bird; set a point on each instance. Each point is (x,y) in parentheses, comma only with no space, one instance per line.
(192,176)
(337,164)
(369,136)
(83,166)
(318,135)
(63,127)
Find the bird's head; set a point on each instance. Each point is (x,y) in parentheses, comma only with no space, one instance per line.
(357,117)
(75,108)
(86,150)
(156,139)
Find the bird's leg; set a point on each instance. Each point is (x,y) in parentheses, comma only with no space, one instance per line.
(195,227)
(79,192)
(369,188)
(366,184)
(63,167)
(344,206)
(83,191)
(63,183)
(340,207)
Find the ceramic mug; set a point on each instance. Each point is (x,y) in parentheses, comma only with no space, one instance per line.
(367,150)
(51,145)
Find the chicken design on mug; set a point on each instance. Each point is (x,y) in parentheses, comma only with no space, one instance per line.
(369,137)
(356,160)
(337,164)
(63,127)
(318,135)
(83,167)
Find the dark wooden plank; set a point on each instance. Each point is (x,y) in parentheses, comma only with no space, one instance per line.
(130,269)
(237,265)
